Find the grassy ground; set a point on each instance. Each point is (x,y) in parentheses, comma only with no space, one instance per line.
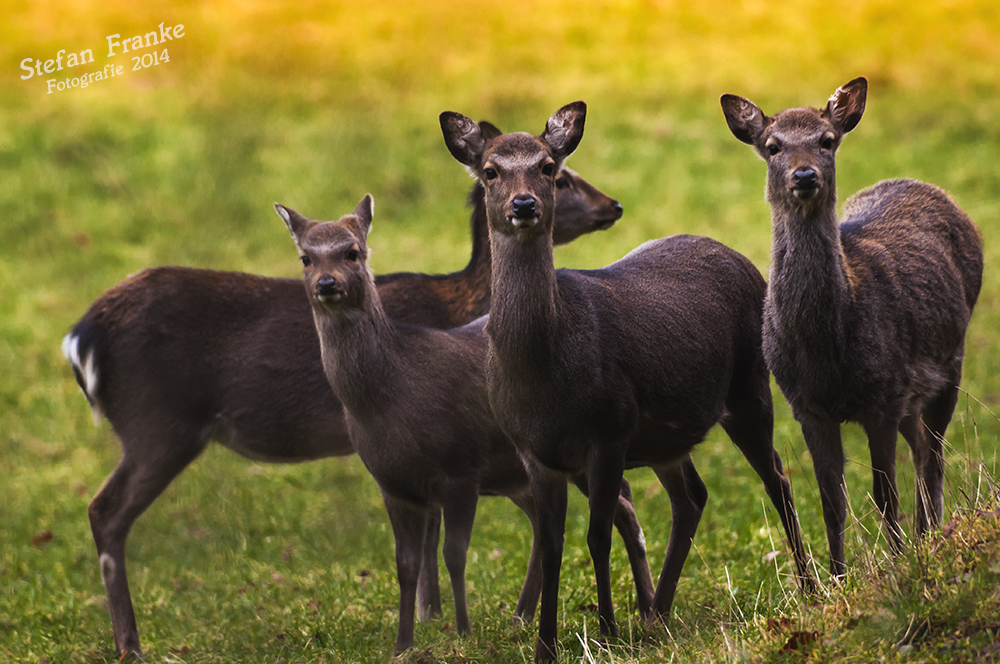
(314,106)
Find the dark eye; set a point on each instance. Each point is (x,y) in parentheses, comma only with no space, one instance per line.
(548,169)
(773,149)
(305,260)
(352,255)
(490,173)
(827,143)
(562,183)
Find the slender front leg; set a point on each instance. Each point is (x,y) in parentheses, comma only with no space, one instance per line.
(549,491)
(604,479)
(459,515)
(428,587)
(823,440)
(409,525)
(688,496)
(882,445)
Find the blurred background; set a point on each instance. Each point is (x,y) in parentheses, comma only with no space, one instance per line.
(315,104)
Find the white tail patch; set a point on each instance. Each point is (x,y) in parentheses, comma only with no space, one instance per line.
(87,369)
(107,569)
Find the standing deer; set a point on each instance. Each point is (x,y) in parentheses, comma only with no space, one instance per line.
(416,405)
(176,357)
(864,319)
(596,371)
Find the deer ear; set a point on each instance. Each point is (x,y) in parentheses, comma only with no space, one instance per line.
(745,120)
(463,137)
(847,105)
(364,212)
(297,224)
(564,129)
(489,130)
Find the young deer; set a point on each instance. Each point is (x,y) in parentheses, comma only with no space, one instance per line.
(416,404)
(864,320)
(592,372)
(176,357)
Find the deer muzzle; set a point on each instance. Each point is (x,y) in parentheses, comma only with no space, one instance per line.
(328,289)
(805,183)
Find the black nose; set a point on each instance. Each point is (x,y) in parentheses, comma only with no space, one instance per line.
(524,207)
(618,209)
(805,178)
(326,285)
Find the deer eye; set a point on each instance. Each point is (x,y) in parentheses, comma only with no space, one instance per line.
(490,173)
(562,183)
(548,169)
(352,255)
(773,149)
(305,260)
(827,143)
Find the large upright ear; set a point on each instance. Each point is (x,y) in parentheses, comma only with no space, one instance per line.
(847,105)
(364,212)
(463,137)
(745,120)
(564,129)
(297,224)
(489,130)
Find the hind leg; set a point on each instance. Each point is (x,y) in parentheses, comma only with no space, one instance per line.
(929,462)
(142,475)
(688,496)
(752,433)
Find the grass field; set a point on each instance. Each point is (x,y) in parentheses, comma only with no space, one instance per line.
(317,104)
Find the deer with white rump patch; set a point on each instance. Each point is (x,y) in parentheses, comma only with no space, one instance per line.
(175,357)
(865,317)
(591,372)
(416,405)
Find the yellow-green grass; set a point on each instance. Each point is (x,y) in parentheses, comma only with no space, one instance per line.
(314,105)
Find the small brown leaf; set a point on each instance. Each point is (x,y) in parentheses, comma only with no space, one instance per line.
(800,640)
(40,539)
(288,553)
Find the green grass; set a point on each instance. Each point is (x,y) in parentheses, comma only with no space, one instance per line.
(315,106)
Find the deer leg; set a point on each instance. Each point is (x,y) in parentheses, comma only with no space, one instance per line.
(409,526)
(751,432)
(827,452)
(628,526)
(428,587)
(549,492)
(604,481)
(882,446)
(133,486)
(527,600)
(459,516)
(937,416)
(688,496)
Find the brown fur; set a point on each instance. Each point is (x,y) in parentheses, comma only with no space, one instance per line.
(865,319)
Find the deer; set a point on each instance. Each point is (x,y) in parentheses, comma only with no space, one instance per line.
(592,372)
(416,405)
(865,315)
(177,357)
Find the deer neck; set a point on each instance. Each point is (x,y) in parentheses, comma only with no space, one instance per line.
(359,348)
(809,280)
(475,277)
(524,313)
